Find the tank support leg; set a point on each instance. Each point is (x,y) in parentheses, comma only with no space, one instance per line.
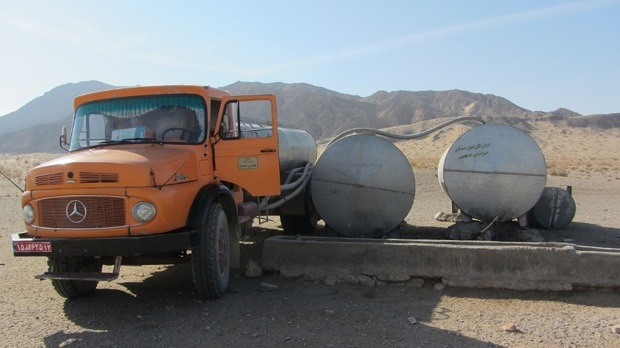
(465,218)
(523,222)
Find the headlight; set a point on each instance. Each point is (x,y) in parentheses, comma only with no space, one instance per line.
(143,211)
(28,214)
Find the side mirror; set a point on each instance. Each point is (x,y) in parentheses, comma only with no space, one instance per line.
(63,139)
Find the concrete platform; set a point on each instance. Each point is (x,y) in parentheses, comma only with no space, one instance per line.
(508,265)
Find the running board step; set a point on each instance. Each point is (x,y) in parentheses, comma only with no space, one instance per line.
(87,276)
(92,276)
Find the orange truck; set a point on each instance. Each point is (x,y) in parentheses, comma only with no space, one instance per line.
(163,175)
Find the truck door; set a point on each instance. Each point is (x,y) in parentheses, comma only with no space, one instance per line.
(245,144)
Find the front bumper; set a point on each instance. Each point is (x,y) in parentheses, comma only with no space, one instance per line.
(108,246)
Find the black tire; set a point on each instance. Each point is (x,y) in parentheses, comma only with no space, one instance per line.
(70,288)
(298,224)
(211,257)
(301,224)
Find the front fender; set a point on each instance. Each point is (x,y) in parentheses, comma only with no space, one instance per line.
(203,201)
(198,215)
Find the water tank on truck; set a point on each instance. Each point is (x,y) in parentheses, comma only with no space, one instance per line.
(297,153)
(493,172)
(362,186)
(297,147)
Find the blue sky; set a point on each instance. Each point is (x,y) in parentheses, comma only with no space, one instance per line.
(541,55)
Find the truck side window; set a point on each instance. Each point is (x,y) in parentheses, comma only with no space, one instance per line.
(215,110)
(256,119)
(247,119)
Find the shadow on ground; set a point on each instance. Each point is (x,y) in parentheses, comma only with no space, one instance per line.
(162,311)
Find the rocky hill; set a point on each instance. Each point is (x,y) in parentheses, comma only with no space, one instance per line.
(35,127)
(52,106)
(324,113)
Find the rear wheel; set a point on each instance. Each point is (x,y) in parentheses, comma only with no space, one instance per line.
(211,257)
(298,224)
(301,224)
(71,288)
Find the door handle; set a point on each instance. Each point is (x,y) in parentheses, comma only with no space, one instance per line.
(267,150)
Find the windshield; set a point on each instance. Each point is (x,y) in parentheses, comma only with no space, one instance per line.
(162,119)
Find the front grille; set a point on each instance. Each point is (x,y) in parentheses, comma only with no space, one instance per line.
(48,179)
(94,177)
(81,212)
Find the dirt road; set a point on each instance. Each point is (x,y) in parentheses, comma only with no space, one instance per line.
(156,306)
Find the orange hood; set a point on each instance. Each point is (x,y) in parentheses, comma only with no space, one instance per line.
(122,166)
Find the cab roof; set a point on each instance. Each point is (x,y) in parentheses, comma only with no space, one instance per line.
(124,92)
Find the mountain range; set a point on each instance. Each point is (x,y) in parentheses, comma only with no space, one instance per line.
(324,113)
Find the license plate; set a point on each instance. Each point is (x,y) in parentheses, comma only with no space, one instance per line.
(32,247)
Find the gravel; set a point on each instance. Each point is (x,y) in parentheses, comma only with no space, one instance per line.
(156,305)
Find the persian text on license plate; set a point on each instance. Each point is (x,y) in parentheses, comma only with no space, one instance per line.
(32,247)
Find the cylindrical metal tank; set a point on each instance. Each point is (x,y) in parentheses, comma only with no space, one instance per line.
(555,209)
(362,186)
(297,147)
(493,171)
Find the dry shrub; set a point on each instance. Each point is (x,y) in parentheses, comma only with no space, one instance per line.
(559,167)
(557,171)
(16,166)
(424,163)
(562,167)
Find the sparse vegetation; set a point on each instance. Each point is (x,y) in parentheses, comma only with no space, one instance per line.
(424,163)
(581,152)
(15,167)
(557,168)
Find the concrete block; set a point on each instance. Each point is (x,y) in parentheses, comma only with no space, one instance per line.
(510,265)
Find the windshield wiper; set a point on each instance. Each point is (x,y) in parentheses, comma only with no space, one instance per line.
(129,141)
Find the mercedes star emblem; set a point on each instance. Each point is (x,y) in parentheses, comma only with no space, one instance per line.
(76,211)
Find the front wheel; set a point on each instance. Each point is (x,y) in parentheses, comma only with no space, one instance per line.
(211,257)
(71,288)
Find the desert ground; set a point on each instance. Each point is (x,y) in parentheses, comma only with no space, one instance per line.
(156,305)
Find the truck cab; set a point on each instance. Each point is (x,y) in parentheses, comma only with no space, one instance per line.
(153,175)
